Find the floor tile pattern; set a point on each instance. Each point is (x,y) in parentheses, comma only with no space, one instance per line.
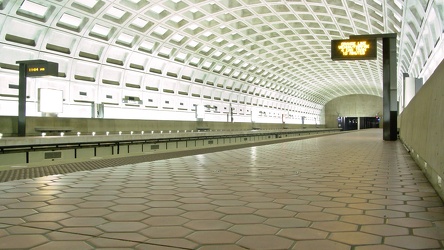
(352,191)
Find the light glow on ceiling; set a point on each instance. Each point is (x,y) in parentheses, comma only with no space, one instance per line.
(87,3)
(177,38)
(207,34)
(157,9)
(181,56)
(165,51)
(176,19)
(148,46)
(217,53)
(218,68)
(194,61)
(125,38)
(160,30)
(101,30)
(378,2)
(227,58)
(193,44)
(139,22)
(115,13)
(207,65)
(70,20)
(34,8)
(193,27)
(206,49)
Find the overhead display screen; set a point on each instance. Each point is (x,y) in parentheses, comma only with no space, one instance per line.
(350,49)
(42,69)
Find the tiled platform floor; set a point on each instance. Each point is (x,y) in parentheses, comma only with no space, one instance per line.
(350,191)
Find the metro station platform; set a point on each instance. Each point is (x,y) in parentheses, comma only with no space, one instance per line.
(344,191)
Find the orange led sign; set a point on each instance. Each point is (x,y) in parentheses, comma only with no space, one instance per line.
(42,69)
(353,49)
(37,69)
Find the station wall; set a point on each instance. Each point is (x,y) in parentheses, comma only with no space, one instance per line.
(8,125)
(352,106)
(422,128)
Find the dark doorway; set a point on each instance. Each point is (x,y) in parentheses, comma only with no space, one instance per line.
(369,122)
(351,123)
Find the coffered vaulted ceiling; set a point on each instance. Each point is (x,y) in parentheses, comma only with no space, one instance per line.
(282,46)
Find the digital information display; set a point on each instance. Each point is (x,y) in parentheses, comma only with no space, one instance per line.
(42,69)
(351,49)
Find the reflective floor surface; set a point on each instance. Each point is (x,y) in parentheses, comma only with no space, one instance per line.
(349,191)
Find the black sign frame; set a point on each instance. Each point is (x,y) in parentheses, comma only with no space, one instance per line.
(31,68)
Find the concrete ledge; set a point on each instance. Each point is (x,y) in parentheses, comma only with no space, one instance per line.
(26,150)
(30,141)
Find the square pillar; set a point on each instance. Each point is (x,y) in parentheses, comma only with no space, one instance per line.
(389,89)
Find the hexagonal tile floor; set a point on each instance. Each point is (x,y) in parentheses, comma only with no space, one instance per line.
(351,191)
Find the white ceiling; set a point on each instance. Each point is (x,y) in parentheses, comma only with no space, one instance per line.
(281,45)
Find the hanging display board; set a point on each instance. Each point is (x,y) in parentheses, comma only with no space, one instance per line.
(31,68)
(39,68)
(352,49)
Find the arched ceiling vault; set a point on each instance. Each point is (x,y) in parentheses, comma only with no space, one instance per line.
(281,45)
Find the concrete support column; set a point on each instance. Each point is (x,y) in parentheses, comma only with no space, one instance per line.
(418,84)
(409,90)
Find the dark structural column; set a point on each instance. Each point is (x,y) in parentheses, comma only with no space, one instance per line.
(389,85)
(31,68)
(22,100)
(389,88)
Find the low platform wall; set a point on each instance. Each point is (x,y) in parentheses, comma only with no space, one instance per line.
(422,129)
(20,151)
(9,125)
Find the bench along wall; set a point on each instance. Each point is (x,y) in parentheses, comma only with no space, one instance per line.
(422,128)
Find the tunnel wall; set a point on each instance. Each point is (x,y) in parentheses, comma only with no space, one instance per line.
(352,106)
